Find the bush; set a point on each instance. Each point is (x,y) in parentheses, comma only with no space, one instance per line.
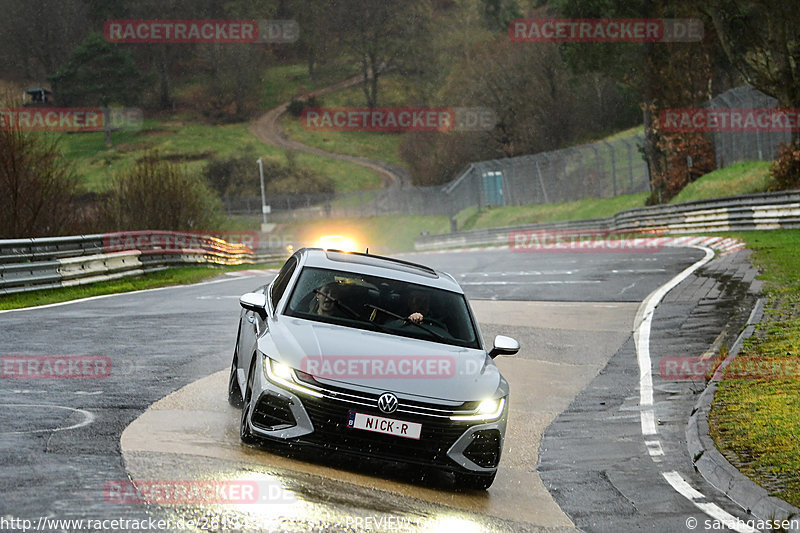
(785,170)
(159,195)
(37,187)
(239,177)
(681,149)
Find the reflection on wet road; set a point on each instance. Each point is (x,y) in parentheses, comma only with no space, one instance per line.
(193,434)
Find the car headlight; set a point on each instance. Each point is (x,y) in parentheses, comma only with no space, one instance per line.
(283,375)
(281,371)
(487,410)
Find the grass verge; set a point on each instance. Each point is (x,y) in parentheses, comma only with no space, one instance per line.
(754,418)
(162,278)
(493,217)
(740,178)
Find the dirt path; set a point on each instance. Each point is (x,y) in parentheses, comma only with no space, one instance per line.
(268,129)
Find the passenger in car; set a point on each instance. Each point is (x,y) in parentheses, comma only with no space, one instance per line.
(420,304)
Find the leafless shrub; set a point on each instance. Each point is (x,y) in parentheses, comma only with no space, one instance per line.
(37,186)
(160,195)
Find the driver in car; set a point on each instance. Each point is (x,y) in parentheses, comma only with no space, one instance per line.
(419,303)
(325,300)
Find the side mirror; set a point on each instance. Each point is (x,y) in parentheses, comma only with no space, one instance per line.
(256,302)
(504,346)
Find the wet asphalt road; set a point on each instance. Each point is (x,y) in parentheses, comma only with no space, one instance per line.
(160,341)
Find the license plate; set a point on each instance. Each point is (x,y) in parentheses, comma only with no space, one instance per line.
(388,426)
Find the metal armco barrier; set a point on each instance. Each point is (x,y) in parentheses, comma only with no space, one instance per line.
(763,211)
(33,264)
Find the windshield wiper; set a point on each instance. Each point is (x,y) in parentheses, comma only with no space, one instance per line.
(405,320)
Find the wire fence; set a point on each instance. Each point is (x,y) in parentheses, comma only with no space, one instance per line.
(603,169)
(732,147)
(599,170)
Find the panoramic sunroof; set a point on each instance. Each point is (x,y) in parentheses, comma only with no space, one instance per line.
(380,261)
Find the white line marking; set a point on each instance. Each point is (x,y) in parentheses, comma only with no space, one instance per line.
(640,271)
(88,418)
(554,282)
(711,509)
(90,298)
(730,521)
(641,336)
(680,484)
(648,419)
(654,448)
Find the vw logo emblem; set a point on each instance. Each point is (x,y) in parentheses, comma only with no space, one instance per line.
(387,403)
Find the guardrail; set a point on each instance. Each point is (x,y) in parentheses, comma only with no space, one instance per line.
(34,264)
(763,211)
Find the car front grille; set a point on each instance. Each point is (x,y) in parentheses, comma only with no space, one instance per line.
(329,419)
(329,416)
(361,400)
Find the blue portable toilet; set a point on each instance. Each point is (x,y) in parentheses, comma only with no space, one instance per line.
(492,188)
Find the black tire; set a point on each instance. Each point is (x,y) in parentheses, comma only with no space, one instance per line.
(234,390)
(474,481)
(245,432)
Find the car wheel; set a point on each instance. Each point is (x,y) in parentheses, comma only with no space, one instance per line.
(474,481)
(234,390)
(245,432)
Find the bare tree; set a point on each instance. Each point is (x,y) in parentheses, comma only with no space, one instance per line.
(380,35)
(317,39)
(233,75)
(762,40)
(37,186)
(36,38)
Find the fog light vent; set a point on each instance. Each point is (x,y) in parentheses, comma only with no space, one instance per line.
(484,450)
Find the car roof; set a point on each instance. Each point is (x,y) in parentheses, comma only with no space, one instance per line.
(377,265)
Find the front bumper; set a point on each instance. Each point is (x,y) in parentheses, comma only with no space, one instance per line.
(295,418)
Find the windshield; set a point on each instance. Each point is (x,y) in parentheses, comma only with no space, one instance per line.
(382,304)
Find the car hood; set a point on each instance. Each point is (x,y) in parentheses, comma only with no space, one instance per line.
(379,362)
